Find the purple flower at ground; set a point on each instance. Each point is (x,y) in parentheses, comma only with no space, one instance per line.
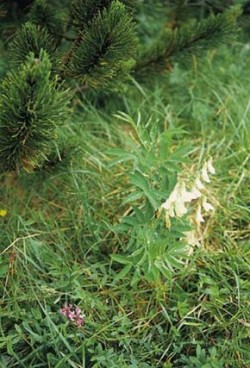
(73,314)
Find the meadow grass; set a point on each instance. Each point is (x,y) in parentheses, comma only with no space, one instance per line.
(60,231)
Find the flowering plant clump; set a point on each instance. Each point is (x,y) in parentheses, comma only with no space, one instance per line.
(73,314)
(192,202)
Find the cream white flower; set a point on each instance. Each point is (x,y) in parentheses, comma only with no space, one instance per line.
(185,195)
(195,193)
(207,206)
(210,167)
(167,204)
(204,173)
(180,200)
(199,184)
(171,211)
(173,196)
(192,239)
(175,193)
(198,217)
(179,207)
(188,197)
(175,204)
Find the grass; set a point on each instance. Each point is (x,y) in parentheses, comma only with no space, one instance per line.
(59,232)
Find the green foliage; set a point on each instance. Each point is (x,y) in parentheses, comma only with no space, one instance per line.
(83,229)
(105,50)
(152,251)
(203,360)
(33,105)
(45,16)
(193,37)
(3,62)
(58,235)
(30,38)
(82,12)
(181,10)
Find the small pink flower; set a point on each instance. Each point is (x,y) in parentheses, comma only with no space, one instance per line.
(79,321)
(73,314)
(79,317)
(78,311)
(66,310)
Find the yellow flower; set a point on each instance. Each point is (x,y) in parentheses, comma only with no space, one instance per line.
(3,213)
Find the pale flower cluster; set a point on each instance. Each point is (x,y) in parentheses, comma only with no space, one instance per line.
(178,203)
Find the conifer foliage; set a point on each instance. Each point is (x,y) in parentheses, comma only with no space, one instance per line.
(43,15)
(104,48)
(30,38)
(193,37)
(32,106)
(97,48)
(83,12)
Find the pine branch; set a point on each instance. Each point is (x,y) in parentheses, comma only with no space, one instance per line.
(83,11)
(104,50)
(30,38)
(32,106)
(45,16)
(194,37)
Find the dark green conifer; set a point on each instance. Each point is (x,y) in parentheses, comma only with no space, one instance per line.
(100,51)
(32,106)
(46,16)
(193,37)
(30,38)
(82,12)
(104,50)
